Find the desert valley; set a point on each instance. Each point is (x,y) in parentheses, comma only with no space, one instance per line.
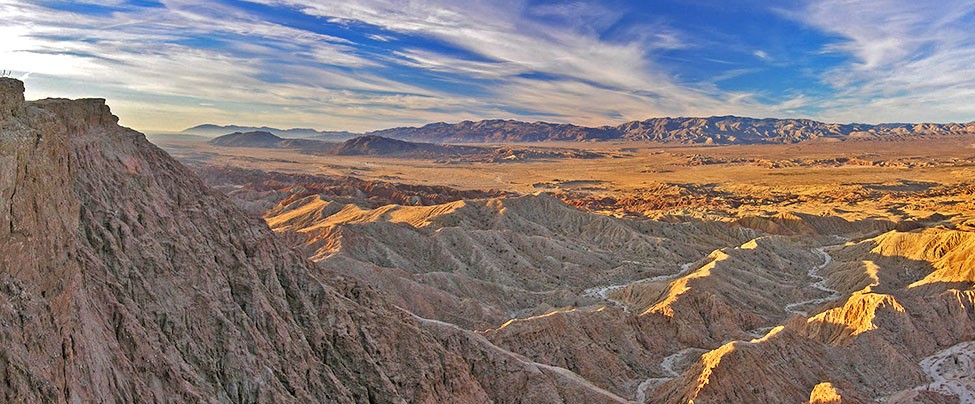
(525,201)
(675,270)
(380,270)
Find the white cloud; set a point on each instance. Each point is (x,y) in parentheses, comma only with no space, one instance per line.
(286,69)
(380,38)
(544,62)
(499,31)
(580,73)
(914,61)
(133,57)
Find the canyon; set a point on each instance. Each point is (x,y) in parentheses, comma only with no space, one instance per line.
(646,272)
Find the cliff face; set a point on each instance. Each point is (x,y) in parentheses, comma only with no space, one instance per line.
(123,277)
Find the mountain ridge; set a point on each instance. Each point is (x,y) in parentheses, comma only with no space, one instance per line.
(374,145)
(693,130)
(209,129)
(358,146)
(726,129)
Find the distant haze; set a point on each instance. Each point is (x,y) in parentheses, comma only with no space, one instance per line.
(709,130)
(363,65)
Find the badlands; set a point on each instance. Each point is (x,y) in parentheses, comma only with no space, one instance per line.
(834,269)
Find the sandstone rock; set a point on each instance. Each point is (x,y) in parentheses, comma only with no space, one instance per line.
(826,393)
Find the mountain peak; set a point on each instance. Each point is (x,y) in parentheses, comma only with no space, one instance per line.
(375,144)
(248,139)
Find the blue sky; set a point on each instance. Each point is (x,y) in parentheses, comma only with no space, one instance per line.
(369,64)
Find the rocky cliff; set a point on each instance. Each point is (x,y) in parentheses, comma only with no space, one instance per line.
(124,278)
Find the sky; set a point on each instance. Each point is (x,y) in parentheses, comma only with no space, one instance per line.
(370,64)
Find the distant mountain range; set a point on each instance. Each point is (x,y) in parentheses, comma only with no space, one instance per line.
(711,130)
(218,130)
(359,146)
(367,145)
(372,145)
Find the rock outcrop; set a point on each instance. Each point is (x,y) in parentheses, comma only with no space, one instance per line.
(11,98)
(826,393)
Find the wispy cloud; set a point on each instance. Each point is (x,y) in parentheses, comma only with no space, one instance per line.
(228,57)
(914,61)
(150,54)
(366,64)
(559,64)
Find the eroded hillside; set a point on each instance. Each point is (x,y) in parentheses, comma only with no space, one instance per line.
(773,305)
(125,278)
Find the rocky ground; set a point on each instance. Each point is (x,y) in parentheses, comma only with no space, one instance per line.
(125,276)
(675,309)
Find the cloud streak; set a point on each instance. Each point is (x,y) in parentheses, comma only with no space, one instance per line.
(368,64)
(914,61)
